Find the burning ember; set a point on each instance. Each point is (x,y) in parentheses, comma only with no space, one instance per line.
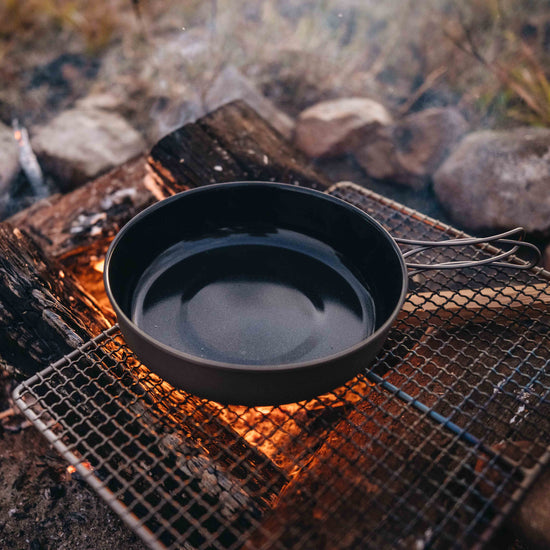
(72,469)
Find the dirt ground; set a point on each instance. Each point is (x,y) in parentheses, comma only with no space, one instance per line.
(42,505)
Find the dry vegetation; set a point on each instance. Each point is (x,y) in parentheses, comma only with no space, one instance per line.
(490,57)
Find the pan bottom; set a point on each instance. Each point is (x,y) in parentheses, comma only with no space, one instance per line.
(259,299)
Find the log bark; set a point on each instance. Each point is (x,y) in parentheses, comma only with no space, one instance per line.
(44,312)
(233,143)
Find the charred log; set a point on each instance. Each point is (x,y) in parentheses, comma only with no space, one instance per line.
(77,228)
(44,312)
(233,143)
(68,225)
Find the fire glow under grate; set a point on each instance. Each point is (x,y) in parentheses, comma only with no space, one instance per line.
(356,468)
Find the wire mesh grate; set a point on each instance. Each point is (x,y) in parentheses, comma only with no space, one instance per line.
(355,468)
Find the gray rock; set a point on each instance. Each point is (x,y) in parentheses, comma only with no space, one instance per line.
(231,85)
(409,151)
(82,143)
(498,179)
(330,128)
(9,158)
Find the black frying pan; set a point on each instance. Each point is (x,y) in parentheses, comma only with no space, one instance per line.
(256,293)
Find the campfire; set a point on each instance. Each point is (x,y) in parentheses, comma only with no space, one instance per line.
(436,455)
(430,117)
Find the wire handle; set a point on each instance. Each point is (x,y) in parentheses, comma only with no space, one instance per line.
(503,238)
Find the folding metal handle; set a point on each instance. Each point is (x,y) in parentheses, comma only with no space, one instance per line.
(503,238)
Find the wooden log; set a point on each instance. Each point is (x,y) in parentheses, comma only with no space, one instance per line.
(78,227)
(229,144)
(233,143)
(259,148)
(44,312)
(187,158)
(68,225)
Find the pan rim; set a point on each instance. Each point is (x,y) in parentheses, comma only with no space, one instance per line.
(241,367)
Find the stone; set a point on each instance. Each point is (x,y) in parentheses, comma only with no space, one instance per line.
(231,85)
(498,179)
(9,158)
(332,128)
(82,143)
(409,151)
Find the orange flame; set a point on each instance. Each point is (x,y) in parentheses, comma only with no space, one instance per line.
(72,469)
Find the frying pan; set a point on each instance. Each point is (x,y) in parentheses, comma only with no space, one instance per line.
(258,293)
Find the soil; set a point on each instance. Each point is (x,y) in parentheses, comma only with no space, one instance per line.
(42,505)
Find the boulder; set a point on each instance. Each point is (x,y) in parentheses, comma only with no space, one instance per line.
(498,179)
(82,143)
(231,85)
(409,151)
(9,158)
(331,128)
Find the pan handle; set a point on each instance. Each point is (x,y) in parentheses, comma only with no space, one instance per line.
(516,244)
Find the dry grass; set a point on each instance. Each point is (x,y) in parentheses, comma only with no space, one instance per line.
(504,71)
(394,51)
(93,22)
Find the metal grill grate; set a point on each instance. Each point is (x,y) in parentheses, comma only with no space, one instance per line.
(356,468)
